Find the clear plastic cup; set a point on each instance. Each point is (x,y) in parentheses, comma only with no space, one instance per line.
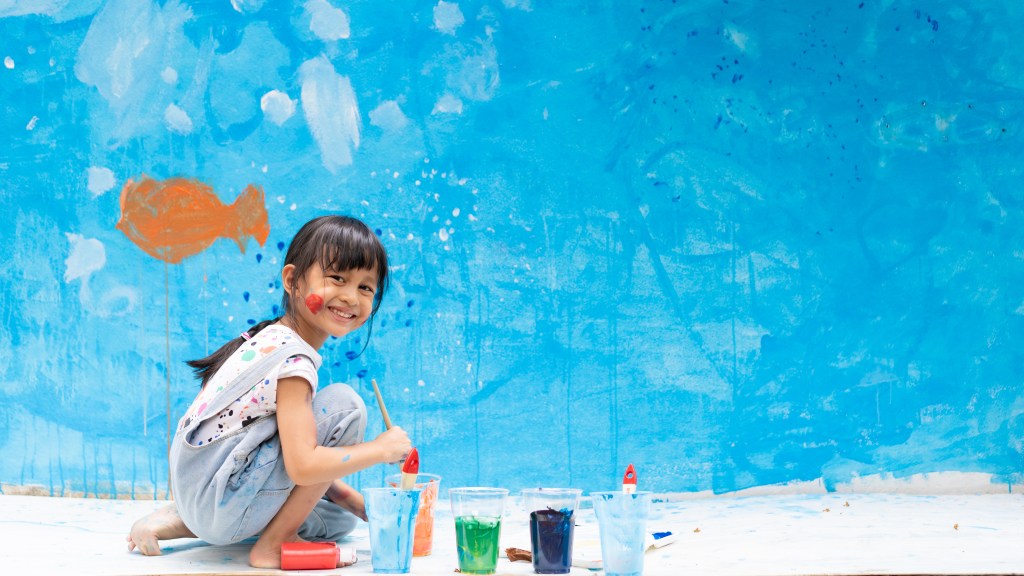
(552,520)
(477,513)
(423,540)
(391,513)
(622,522)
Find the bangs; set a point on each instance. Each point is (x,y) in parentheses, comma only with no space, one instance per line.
(345,249)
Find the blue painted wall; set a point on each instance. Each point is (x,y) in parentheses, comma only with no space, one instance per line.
(735,243)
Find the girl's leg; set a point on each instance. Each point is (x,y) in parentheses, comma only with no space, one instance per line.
(266,552)
(162,524)
(341,421)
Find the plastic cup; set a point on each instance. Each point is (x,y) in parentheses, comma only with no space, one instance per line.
(477,513)
(392,514)
(622,521)
(423,541)
(552,521)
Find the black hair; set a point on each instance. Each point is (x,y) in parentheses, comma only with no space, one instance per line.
(331,242)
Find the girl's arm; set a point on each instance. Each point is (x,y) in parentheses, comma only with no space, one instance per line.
(348,498)
(306,461)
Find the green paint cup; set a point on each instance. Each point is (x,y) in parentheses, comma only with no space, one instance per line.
(477,513)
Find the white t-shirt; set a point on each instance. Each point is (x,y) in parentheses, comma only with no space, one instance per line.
(261,399)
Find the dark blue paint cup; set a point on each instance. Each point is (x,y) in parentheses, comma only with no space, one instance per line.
(552,522)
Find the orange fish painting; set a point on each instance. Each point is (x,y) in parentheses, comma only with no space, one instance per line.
(180,217)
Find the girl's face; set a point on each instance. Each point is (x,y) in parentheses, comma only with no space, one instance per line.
(330,302)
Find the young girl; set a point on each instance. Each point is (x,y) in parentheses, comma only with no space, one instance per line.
(260,450)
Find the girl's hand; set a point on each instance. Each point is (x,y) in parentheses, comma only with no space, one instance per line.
(394,445)
(345,496)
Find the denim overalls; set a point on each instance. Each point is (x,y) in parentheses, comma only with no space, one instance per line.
(229,489)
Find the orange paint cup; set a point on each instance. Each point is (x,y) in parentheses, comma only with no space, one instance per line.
(429,484)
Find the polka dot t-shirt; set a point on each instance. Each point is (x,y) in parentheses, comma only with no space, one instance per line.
(258,401)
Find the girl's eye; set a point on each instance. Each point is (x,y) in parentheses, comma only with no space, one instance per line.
(366,288)
(336,278)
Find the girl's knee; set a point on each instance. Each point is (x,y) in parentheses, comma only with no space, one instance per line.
(340,414)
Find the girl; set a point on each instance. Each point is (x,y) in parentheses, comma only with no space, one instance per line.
(260,450)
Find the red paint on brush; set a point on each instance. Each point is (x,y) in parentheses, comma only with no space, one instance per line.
(315,303)
(412,463)
(629,479)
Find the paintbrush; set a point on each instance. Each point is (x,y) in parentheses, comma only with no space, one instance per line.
(629,480)
(410,470)
(380,402)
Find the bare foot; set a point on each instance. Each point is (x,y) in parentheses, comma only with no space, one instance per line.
(267,554)
(162,524)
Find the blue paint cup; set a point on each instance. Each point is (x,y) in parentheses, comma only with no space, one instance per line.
(552,521)
(392,516)
(622,521)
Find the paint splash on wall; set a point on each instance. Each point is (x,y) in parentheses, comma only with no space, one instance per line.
(329,104)
(181,217)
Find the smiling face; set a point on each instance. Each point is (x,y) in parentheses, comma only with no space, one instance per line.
(329,302)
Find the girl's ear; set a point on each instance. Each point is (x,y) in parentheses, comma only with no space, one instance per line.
(288,277)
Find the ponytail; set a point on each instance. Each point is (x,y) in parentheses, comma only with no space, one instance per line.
(205,368)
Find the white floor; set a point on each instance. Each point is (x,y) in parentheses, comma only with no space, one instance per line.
(764,535)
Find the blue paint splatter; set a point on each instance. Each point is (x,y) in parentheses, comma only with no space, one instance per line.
(361,374)
(259,257)
(346,458)
(245,296)
(410,303)
(351,355)
(280,245)
(251,321)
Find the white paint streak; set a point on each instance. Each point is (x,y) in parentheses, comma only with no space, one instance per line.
(128,44)
(388,117)
(447,104)
(177,120)
(327,22)
(9,63)
(87,256)
(524,5)
(32,123)
(169,76)
(329,105)
(738,38)
(247,6)
(99,179)
(448,17)
(277,106)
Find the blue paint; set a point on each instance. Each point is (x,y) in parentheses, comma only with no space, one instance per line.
(785,242)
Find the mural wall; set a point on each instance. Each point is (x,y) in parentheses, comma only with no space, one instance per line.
(738,244)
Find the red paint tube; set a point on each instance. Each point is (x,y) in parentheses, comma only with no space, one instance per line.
(310,555)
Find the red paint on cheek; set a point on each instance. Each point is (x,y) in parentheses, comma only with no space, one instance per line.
(314,302)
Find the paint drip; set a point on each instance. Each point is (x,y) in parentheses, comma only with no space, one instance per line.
(315,303)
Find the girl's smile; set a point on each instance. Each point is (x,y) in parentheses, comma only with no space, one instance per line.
(337,302)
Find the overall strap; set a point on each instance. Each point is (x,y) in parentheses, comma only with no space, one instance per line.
(247,378)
